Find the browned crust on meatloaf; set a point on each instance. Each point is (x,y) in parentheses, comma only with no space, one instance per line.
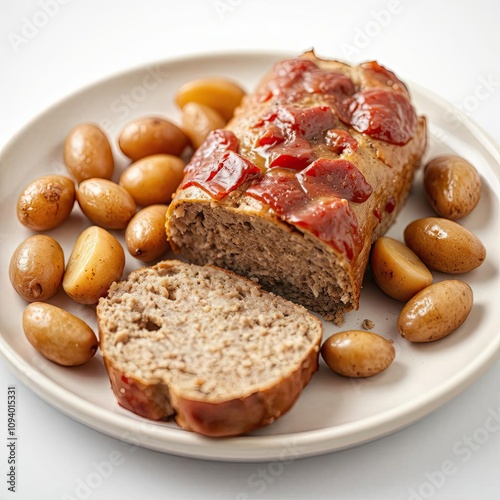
(229,403)
(228,418)
(239,232)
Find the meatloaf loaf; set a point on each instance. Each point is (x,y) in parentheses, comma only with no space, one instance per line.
(314,166)
(206,346)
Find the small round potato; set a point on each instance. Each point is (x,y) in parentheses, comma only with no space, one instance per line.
(453,186)
(46,202)
(37,267)
(145,235)
(87,153)
(357,353)
(106,203)
(154,179)
(397,270)
(150,136)
(58,335)
(217,93)
(199,120)
(436,311)
(97,260)
(444,245)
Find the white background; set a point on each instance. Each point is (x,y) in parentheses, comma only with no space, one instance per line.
(450,47)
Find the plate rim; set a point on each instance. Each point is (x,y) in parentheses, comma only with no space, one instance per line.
(247,448)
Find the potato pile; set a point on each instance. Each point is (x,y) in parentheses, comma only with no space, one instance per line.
(136,204)
(404,272)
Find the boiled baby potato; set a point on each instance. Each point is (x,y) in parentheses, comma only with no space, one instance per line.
(199,120)
(154,179)
(97,260)
(453,186)
(87,153)
(217,93)
(58,335)
(397,270)
(37,267)
(436,311)
(357,353)
(106,203)
(151,135)
(145,235)
(46,202)
(444,245)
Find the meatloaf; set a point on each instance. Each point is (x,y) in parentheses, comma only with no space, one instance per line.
(313,167)
(205,346)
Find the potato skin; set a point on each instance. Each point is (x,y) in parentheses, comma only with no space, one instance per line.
(87,153)
(436,311)
(58,335)
(453,186)
(151,135)
(217,93)
(154,179)
(46,202)
(97,260)
(397,270)
(105,203)
(357,353)
(198,121)
(444,245)
(36,268)
(145,236)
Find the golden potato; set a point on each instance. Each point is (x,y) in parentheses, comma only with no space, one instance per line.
(58,335)
(36,268)
(357,353)
(46,202)
(106,203)
(217,93)
(453,186)
(87,153)
(154,179)
(397,270)
(436,311)
(198,121)
(145,236)
(444,245)
(97,260)
(150,136)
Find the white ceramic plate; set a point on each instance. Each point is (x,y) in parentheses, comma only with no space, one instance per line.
(332,412)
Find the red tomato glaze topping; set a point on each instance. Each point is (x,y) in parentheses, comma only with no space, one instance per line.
(293,78)
(304,188)
(374,71)
(217,168)
(337,140)
(382,114)
(288,132)
(316,199)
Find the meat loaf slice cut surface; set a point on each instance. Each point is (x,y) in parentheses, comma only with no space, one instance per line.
(206,346)
(314,166)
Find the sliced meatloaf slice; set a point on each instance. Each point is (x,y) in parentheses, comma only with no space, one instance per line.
(205,346)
